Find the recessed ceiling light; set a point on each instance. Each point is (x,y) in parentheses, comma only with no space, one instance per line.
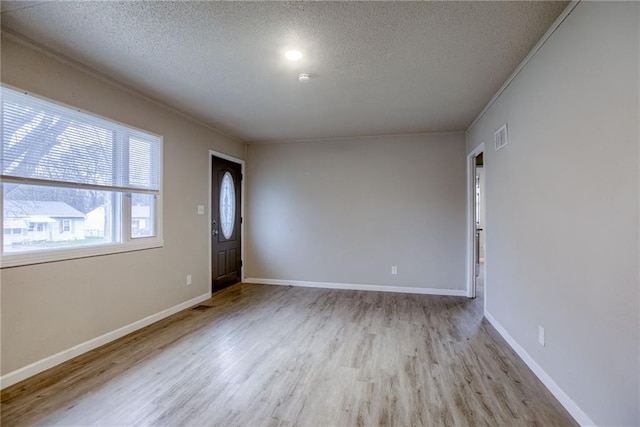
(293,55)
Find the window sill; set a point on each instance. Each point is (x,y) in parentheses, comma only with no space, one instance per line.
(54,255)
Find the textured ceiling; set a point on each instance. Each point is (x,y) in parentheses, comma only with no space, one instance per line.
(376,67)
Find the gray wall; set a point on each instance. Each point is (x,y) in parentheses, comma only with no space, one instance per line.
(562,209)
(346,211)
(49,308)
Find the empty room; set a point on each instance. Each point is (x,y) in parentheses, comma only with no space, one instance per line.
(320,213)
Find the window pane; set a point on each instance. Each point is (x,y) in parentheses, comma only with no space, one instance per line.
(47,141)
(39,218)
(44,141)
(227,205)
(142,215)
(143,159)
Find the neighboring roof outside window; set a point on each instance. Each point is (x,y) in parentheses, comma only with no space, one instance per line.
(140,212)
(24,208)
(40,219)
(14,223)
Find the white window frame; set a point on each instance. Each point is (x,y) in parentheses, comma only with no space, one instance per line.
(122,214)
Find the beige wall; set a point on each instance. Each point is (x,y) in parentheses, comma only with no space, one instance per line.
(346,211)
(562,209)
(49,308)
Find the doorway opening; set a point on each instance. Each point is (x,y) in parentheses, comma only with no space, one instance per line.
(226,212)
(476,222)
(479,218)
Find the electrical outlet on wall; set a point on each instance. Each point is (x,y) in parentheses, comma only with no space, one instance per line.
(394,270)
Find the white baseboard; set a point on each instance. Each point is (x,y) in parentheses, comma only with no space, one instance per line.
(576,412)
(51,361)
(355,287)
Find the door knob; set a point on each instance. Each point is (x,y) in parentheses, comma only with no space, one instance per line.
(214,232)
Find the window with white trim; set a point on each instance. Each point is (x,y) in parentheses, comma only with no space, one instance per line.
(65,225)
(74,184)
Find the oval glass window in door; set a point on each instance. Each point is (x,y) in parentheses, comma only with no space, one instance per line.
(227,205)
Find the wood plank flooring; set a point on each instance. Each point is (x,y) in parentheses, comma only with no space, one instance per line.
(258,355)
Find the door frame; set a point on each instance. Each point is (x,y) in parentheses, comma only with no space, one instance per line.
(471,226)
(242,210)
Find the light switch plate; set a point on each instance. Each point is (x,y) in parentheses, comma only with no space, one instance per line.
(200,209)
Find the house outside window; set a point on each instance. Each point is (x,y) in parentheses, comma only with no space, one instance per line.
(74,184)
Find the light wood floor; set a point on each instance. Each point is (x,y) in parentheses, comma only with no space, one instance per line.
(259,355)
